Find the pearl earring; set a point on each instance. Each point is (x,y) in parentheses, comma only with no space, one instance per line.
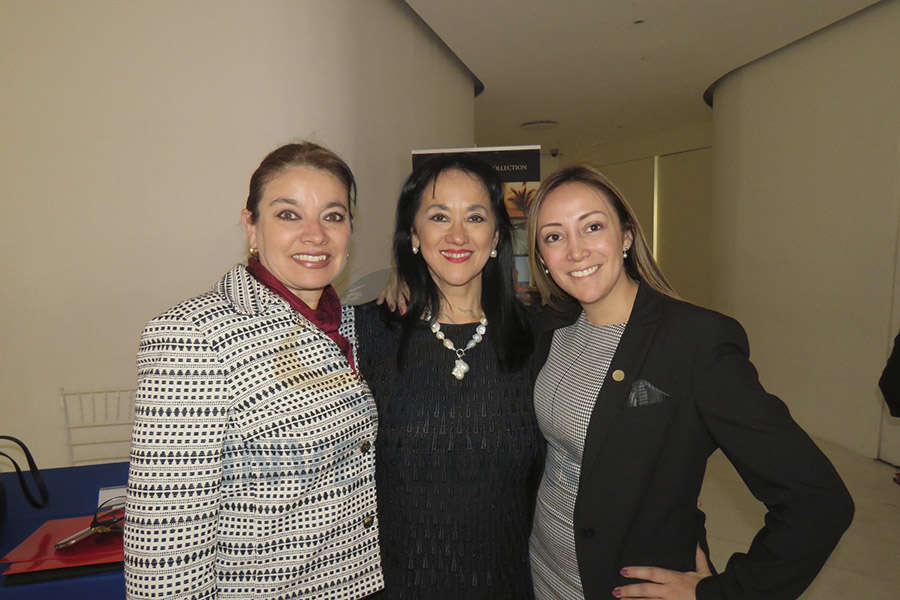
(494,253)
(624,253)
(415,249)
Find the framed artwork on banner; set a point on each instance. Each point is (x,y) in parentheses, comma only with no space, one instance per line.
(520,170)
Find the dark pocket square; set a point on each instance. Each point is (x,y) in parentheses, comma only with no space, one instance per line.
(644,393)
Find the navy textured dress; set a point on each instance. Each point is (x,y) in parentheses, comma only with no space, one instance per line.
(455,465)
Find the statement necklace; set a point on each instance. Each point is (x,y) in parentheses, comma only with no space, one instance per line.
(460,367)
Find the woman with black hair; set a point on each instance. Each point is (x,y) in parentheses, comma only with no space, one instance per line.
(457,441)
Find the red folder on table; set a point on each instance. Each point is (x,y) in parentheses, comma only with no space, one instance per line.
(36,559)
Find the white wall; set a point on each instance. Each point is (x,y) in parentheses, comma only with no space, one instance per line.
(130,130)
(805,219)
(687,136)
(684,199)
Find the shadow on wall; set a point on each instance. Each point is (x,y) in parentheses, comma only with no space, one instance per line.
(365,288)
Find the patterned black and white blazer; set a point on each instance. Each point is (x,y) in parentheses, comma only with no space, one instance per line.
(252,458)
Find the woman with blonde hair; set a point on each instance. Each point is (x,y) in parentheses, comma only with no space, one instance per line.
(636,390)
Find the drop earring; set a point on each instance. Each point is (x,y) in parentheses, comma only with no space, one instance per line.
(624,253)
(544,267)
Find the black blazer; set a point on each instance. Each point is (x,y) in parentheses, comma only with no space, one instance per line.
(890,380)
(681,385)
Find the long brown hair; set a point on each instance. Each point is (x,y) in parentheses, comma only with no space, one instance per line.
(640,264)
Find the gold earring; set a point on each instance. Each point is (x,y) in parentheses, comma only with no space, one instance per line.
(253,252)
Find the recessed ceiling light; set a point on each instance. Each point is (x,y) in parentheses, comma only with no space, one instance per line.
(539,125)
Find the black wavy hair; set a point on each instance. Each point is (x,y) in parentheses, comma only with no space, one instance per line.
(508,325)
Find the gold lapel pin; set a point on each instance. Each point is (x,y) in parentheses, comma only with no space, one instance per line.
(618,375)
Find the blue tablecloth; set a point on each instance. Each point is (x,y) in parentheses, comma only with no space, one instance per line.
(73,492)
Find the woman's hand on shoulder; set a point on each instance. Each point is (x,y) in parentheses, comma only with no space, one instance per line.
(664,583)
(395,294)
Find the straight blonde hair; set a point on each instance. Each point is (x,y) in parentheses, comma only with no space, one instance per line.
(640,264)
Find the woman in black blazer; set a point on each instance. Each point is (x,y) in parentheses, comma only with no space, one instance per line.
(666,385)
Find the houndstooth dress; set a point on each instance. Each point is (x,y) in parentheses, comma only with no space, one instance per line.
(564,396)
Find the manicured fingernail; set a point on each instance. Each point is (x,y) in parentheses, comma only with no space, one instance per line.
(616,592)
(624,572)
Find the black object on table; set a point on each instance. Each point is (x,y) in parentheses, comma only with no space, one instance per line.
(73,492)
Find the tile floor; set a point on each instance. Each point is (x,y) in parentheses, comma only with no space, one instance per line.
(866,563)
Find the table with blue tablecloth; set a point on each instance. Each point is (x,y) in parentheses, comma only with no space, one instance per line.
(73,492)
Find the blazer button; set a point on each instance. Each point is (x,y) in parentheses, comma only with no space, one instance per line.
(618,375)
(364,447)
(367,522)
(587,532)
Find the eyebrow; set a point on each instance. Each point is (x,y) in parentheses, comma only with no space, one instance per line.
(470,209)
(586,215)
(293,202)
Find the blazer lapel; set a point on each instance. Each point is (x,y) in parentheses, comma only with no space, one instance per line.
(623,370)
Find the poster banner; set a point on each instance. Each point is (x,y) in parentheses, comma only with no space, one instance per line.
(520,169)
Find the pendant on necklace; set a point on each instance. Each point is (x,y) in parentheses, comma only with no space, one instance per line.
(460,368)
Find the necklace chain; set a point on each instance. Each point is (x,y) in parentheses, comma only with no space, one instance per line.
(460,367)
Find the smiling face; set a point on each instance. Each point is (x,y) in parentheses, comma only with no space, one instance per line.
(302,230)
(455,229)
(580,240)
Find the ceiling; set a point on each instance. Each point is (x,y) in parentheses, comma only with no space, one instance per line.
(610,69)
